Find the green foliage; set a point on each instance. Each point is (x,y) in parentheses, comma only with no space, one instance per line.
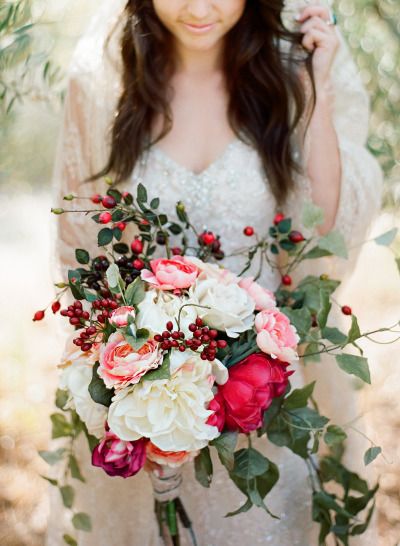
(203,467)
(98,390)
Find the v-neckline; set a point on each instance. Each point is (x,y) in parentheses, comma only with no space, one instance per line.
(173,163)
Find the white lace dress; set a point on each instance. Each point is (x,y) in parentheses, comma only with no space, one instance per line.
(231,193)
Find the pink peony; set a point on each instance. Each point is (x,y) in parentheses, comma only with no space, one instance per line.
(252,385)
(217,419)
(263,298)
(119,317)
(121,365)
(119,458)
(170,274)
(276,336)
(169,458)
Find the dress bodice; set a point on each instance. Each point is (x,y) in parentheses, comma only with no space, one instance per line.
(231,193)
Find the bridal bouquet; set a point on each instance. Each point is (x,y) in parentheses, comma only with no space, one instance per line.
(173,355)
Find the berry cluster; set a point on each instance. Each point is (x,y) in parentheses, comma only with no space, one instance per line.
(84,340)
(210,240)
(76,314)
(105,307)
(202,337)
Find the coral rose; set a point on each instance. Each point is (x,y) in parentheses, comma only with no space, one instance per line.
(169,458)
(263,298)
(276,336)
(121,365)
(119,458)
(119,317)
(252,385)
(172,274)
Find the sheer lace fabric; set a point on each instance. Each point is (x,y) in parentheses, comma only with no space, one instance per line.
(231,193)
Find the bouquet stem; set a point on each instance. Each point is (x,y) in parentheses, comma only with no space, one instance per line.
(168,514)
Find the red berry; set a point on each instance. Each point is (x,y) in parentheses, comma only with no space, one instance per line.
(96,198)
(86,347)
(174,343)
(166,334)
(138,264)
(182,348)
(248,231)
(346,310)
(176,251)
(222,344)
(105,218)
(213,334)
(192,327)
(207,237)
(197,334)
(121,225)
(39,315)
(287,280)
(158,338)
(199,322)
(170,325)
(79,342)
(205,339)
(137,246)
(91,330)
(278,218)
(56,306)
(203,356)
(296,237)
(175,335)
(165,345)
(108,202)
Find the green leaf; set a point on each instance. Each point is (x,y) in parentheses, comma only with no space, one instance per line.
(105,236)
(334,335)
(312,215)
(53,457)
(203,467)
(244,508)
(74,468)
(225,445)
(70,540)
(50,480)
(121,248)
(285,226)
(300,318)
(98,390)
(398,264)
(387,238)
(61,427)
(355,365)
(334,435)
(299,397)
(117,216)
(113,275)
(67,494)
(325,307)
(90,296)
(82,522)
(249,463)
(311,353)
(354,332)
(334,242)
(61,398)
(371,454)
(135,293)
(316,252)
(163,372)
(116,194)
(141,193)
(117,233)
(307,418)
(240,349)
(82,256)
(155,203)
(175,229)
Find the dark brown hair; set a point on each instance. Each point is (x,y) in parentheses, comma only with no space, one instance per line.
(267,97)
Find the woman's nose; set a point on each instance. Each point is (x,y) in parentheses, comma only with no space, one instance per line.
(199,9)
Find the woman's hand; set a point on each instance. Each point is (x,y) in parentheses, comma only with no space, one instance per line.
(321,38)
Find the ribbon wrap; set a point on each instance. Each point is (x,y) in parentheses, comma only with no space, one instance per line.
(166,482)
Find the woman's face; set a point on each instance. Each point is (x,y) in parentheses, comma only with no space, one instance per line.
(199,24)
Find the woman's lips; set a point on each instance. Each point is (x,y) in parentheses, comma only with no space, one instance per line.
(199,29)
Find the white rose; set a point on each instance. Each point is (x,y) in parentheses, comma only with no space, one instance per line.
(159,307)
(213,271)
(170,412)
(231,307)
(75,377)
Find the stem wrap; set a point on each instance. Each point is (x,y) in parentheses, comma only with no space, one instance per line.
(166,482)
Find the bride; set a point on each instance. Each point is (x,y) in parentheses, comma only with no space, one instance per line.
(216,103)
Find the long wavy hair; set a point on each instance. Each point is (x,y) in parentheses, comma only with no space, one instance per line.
(262,63)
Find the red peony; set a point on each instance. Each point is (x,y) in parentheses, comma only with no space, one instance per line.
(252,385)
(217,419)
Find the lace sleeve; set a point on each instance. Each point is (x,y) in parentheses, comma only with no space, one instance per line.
(361,182)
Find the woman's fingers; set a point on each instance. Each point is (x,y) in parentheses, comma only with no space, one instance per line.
(317,23)
(310,11)
(313,38)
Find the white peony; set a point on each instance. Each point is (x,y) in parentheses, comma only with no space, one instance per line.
(231,307)
(75,377)
(159,307)
(170,412)
(213,271)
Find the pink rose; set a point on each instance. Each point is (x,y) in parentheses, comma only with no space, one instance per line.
(119,458)
(217,419)
(276,336)
(119,317)
(169,458)
(170,274)
(263,298)
(252,385)
(121,365)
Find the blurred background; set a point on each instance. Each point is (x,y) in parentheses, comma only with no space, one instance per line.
(36,41)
